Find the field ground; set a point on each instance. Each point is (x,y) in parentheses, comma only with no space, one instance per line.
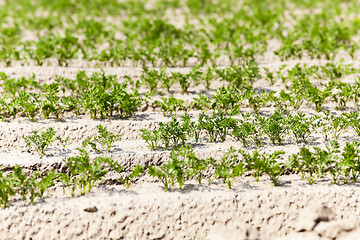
(266,69)
(146,211)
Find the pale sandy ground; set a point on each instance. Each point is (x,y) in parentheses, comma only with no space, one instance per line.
(293,210)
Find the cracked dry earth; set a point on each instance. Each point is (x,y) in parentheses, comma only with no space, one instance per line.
(250,210)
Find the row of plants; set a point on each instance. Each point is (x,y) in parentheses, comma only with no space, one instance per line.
(336,165)
(242,76)
(233,101)
(83,173)
(238,77)
(121,103)
(102,96)
(99,95)
(250,129)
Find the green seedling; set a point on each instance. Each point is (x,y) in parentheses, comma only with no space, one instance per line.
(229,167)
(45,182)
(270,76)
(72,104)
(272,167)
(183,79)
(257,100)
(150,78)
(103,141)
(313,165)
(6,190)
(32,183)
(52,105)
(19,180)
(330,160)
(175,133)
(353,120)
(316,96)
(182,166)
(275,126)
(13,86)
(40,141)
(29,104)
(152,138)
(137,171)
(217,127)
(350,160)
(336,125)
(63,141)
(203,103)
(306,164)
(164,173)
(170,105)
(344,95)
(246,130)
(227,100)
(65,181)
(7,107)
(240,77)
(193,166)
(302,127)
(84,173)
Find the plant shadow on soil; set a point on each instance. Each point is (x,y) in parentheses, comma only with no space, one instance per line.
(193,146)
(116,150)
(351,138)
(139,117)
(113,191)
(204,187)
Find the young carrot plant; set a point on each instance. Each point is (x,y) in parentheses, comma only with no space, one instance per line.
(193,166)
(152,138)
(353,120)
(272,166)
(227,100)
(275,126)
(19,180)
(202,103)
(103,141)
(175,133)
(302,127)
(136,171)
(183,79)
(313,165)
(29,104)
(170,105)
(253,163)
(229,167)
(217,127)
(63,141)
(52,105)
(350,160)
(150,78)
(164,173)
(84,172)
(6,190)
(41,141)
(335,125)
(247,130)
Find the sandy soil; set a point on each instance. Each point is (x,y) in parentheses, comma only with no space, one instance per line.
(250,210)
